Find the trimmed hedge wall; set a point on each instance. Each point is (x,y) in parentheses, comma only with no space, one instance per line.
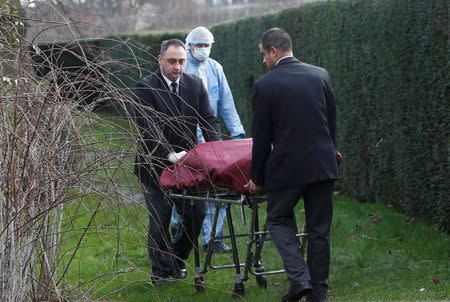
(389,61)
(134,55)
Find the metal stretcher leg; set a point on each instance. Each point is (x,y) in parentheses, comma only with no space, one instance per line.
(257,262)
(199,283)
(209,248)
(239,289)
(304,240)
(255,237)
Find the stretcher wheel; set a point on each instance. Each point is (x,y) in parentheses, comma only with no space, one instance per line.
(199,284)
(304,241)
(239,290)
(262,281)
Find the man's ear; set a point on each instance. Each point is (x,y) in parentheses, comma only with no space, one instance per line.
(159,58)
(273,50)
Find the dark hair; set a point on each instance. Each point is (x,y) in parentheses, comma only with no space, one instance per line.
(277,38)
(172,42)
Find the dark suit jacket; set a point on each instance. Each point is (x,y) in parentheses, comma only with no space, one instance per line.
(168,122)
(294,110)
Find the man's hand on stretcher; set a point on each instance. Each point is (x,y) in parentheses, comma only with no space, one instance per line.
(253,188)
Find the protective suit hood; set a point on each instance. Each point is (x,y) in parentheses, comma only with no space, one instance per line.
(200,35)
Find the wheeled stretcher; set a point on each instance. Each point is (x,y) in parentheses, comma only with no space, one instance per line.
(218,171)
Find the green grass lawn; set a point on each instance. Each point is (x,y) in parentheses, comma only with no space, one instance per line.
(377,253)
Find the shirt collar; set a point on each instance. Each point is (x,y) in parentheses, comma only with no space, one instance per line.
(170,82)
(282,59)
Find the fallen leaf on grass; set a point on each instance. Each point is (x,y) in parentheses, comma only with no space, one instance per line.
(352,237)
(409,219)
(375,217)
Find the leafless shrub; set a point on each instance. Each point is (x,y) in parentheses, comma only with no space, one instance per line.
(56,167)
(48,157)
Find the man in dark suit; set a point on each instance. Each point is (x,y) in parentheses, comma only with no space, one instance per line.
(169,106)
(294,156)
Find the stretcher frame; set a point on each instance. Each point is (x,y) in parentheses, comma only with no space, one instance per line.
(256,237)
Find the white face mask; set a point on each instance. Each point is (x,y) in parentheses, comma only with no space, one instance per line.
(201,53)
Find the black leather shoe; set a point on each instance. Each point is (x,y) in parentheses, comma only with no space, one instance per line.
(297,291)
(180,274)
(315,298)
(159,280)
(319,293)
(180,271)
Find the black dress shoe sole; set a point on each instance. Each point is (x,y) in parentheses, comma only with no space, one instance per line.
(295,294)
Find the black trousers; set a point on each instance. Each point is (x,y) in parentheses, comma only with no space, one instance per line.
(164,256)
(283,228)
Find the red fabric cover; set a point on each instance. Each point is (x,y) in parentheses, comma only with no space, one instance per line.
(223,164)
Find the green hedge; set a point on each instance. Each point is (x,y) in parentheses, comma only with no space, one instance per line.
(389,61)
(134,56)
